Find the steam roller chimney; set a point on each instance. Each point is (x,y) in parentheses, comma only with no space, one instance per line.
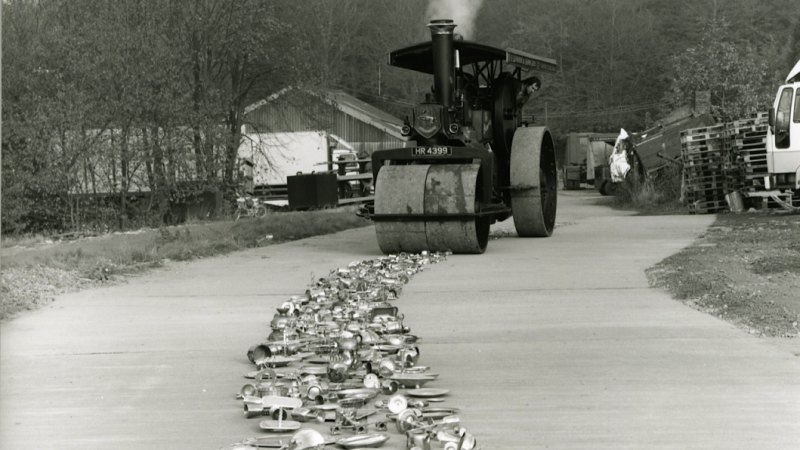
(443,59)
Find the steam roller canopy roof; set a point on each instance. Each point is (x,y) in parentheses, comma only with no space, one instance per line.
(419,57)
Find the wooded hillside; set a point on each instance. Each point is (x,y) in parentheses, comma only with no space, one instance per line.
(156,82)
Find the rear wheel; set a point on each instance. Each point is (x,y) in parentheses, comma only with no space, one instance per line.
(533,182)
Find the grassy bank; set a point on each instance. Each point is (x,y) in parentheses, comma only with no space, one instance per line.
(36,269)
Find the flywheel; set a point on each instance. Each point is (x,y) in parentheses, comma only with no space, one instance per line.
(429,207)
(533,182)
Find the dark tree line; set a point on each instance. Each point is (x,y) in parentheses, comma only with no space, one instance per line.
(149,94)
(622,61)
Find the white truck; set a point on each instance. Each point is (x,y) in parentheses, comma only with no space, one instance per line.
(783,137)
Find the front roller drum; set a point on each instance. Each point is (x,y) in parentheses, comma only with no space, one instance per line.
(533,182)
(412,192)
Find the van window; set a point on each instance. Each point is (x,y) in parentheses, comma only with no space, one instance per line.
(782,119)
(796,113)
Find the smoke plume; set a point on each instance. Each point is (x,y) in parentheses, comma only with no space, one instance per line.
(463,12)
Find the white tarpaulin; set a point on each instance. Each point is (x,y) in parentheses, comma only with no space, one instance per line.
(278,155)
(618,161)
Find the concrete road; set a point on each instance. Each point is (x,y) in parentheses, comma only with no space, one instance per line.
(544,343)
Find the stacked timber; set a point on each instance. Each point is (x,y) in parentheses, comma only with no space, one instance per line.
(747,140)
(724,163)
(704,160)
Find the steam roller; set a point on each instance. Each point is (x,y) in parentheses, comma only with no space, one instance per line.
(472,158)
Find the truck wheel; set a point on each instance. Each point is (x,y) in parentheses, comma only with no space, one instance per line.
(534,184)
(602,188)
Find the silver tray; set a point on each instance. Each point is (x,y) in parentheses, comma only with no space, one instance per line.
(276,361)
(358,392)
(399,339)
(438,412)
(279,425)
(412,380)
(326,407)
(268,441)
(363,440)
(318,360)
(427,392)
(387,348)
(313,370)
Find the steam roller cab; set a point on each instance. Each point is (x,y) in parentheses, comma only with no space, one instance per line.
(475,162)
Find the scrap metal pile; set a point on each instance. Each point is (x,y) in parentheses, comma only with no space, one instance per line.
(339,366)
(723,161)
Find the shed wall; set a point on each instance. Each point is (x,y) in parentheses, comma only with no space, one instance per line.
(302,112)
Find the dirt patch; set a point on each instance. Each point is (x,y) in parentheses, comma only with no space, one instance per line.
(745,269)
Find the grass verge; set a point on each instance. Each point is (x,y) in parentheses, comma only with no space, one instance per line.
(36,269)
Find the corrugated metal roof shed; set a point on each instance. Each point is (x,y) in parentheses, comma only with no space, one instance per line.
(363,126)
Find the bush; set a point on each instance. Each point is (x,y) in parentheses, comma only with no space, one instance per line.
(661,191)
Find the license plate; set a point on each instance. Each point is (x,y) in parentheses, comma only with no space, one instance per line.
(432,151)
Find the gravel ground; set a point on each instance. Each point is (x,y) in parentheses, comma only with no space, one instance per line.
(745,269)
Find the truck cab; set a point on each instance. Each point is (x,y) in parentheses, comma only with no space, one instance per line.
(783,136)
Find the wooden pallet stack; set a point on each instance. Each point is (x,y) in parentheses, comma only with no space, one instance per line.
(748,148)
(729,159)
(704,160)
